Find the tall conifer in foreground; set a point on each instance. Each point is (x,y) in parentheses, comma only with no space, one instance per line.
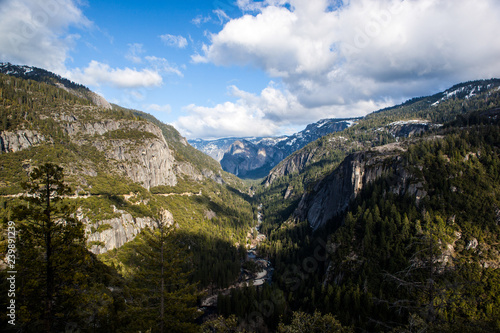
(51,251)
(163,298)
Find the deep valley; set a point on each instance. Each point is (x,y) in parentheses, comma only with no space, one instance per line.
(384,223)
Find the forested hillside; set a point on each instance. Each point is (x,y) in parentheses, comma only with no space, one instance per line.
(417,247)
(391,225)
(126,174)
(286,183)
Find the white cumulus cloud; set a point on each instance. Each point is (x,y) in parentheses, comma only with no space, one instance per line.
(363,53)
(35,32)
(96,74)
(223,120)
(265,114)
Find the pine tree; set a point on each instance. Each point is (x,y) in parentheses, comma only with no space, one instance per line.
(163,298)
(420,279)
(304,322)
(51,250)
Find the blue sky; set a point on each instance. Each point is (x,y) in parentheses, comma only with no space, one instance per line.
(162,35)
(253,68)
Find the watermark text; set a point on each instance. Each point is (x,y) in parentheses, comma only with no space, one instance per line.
(11,273)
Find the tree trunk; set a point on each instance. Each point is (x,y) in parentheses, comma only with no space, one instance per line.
(162,299)
(49,269)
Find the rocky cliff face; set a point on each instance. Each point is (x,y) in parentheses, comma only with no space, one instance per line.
(246,159)
(408,128)
(99,100)
(19,140)
(293,164)
(150,164)
(113,233)
(142,154)
(332,195)
(145,159)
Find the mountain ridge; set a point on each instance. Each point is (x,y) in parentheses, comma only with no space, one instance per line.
(389,218)
(409,118)
(42,75)
(254,157)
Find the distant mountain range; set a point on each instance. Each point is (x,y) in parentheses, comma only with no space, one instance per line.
(254,157)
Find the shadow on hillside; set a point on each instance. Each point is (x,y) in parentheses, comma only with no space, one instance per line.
(220,210)
(244,196)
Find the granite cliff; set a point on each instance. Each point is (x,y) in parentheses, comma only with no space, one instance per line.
(12,141)
(136,148)
(332,195)
(112,233)
(248,160)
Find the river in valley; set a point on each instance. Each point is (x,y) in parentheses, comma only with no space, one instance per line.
(257,277)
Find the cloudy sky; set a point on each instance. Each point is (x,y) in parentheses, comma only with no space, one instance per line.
(217,68)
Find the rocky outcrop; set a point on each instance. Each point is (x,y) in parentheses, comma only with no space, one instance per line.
(216,177)
(73,126)
(113,233)
(332,195)
(246,159)
(293,164)
(144,156)
(188,170)
(409,128)
(150,163)
(19,140)
(99,101)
